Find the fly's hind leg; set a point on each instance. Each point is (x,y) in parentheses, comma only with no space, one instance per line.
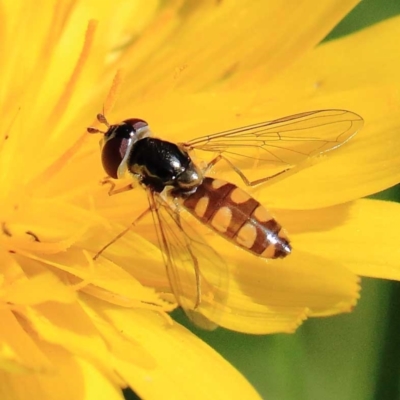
(240,173)
(196,266)
(198,279)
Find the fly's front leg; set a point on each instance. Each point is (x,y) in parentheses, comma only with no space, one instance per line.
(112,191)
(240,173)
(108,181)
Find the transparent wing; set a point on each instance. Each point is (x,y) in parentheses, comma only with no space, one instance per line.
(196,272)
(284,142)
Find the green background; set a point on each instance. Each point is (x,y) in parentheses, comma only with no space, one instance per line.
(348,357)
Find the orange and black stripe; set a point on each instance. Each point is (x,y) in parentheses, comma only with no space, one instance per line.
(237,216)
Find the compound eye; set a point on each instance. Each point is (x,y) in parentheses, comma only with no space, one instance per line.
(136,123)
(113,152)
(117,140)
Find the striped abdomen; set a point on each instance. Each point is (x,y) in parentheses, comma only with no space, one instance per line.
(238,217)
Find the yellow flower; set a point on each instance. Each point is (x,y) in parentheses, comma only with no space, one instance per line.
(74,327)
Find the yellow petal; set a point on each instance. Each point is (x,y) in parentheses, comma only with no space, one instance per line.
(69,327)
(256,295)
(19,352)
(362,167)
(361,235)
(72,378)
(258,288)
(190,63)
(335,66)
(175,351)
(39,289)
(322,79)
(122,347)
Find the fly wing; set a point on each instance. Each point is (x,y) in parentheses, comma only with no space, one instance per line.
(196,272)
(282,143)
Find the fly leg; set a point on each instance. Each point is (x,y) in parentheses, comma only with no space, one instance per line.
(125,231)
(195,263)
(240,173)
(108,181)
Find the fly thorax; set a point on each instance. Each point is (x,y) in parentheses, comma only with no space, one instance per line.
(158,163)
(190,178)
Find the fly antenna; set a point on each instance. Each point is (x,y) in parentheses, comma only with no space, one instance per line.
(91,129)
(103,120)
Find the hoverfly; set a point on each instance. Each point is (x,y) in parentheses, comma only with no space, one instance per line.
(174,182)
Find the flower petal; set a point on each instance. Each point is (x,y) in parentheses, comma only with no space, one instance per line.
(302,282)
(257,290)
(71,378)
(253,291)
(70,328)
(19,352)
(182,59)
(362,167)
(367,58)
(175,351)
(325,80)
(361,235)
(39,289)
